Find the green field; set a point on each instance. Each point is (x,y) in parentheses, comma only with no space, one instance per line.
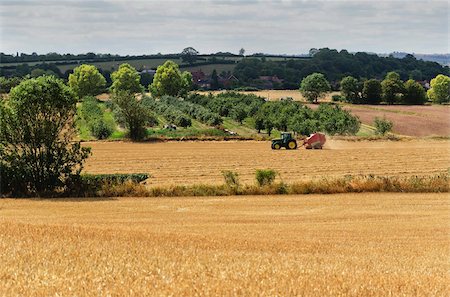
(151,63)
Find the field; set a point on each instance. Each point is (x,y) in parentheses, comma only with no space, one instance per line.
(203,162)
(114,65)
(417,121)
(334,245)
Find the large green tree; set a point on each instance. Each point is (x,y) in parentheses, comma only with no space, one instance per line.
(392,87)
(372,93)
(86,80)
(440,89)
(169,80)
(414,93)
(131,113)
(126,79)
(314,86)
(350,89)
(37,130)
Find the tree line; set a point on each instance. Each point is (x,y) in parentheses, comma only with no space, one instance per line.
(335,66)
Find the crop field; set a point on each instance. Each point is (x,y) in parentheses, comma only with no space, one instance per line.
(203,162)
(418,121)
(333,245)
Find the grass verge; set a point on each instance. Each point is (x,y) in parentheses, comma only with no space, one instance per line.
(347,184)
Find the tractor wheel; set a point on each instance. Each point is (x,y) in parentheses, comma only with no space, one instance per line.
(276,146)
(292,145)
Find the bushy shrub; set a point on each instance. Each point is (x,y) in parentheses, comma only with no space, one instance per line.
(90,184)
(231,180)
(265,177)
(93,115)
(383,126)
(101,129)
(337,98)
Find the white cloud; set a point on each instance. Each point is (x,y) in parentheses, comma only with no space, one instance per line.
(145,27)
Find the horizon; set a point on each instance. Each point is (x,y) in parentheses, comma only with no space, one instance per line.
(206,54)
(279,27)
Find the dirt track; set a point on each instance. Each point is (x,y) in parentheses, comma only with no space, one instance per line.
(203,162)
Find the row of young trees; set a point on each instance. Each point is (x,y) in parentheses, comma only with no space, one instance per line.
(196,111)
(281,115)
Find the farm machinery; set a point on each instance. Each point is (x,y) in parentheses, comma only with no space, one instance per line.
(314,141)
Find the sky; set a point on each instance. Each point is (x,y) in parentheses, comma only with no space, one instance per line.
(277,27)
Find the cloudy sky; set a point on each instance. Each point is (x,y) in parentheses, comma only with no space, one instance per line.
(278,27)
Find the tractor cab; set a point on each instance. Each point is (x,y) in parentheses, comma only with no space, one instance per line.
(287,141)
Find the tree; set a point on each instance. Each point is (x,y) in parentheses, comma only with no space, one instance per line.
(238,113)
(189,55)
(440,89)
(241,52)
(371,92)
(336,121)
(6,84)
(86,80)
(350,89)
(131,113)
(39,72)
(37,129)
(391,87)
(414,93)
(214,80)
(169,81)
(186,83)
(259,123)
(127,79)
(416,75)
(383,126)
(314,86)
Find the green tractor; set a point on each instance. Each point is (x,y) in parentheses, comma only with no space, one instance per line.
(286,141)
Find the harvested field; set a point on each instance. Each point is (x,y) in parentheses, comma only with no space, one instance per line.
(408,120)
(203,162)
(333,245)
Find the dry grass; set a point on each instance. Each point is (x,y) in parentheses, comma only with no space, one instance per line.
(187,163)
(348,184)
(334,245)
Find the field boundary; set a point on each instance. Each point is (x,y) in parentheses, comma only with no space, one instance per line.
(439,183)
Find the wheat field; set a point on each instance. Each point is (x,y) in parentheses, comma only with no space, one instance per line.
(315,245)
(203,162)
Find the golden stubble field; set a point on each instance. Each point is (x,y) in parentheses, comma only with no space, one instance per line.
(203,162)
(317,245)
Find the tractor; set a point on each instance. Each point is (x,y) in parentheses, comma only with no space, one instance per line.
(286,141)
